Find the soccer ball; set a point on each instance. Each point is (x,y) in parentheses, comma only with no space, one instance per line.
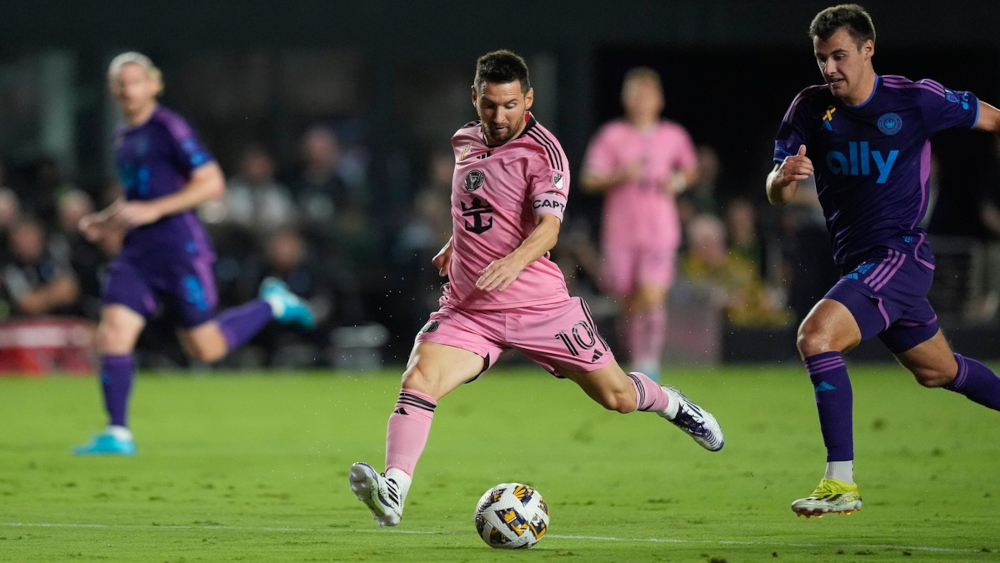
(511,515)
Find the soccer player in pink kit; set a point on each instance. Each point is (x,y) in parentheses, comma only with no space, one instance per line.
(641,162)
(509,193)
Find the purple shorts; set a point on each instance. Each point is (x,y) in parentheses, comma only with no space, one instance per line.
(185,287)
(887,294)
(556,335)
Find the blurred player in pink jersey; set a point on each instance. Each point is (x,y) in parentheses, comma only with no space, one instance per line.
(641,162)
(508,197)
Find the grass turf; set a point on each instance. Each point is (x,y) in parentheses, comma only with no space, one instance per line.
(253,467)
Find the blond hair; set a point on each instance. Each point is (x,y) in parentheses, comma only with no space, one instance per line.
(133,57)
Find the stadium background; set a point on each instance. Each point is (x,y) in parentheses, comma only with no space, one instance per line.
(390,80)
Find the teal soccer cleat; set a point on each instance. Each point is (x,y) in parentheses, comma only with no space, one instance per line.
(288,308)
(106,443)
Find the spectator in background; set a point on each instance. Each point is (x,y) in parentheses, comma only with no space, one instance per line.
(40,200)
(702,192)
(286,257)
(337,222)
(733,280)
(319,185)
(87,260)
(35,282)
(254,199)
(741,233)
(10,214)
(986,301)
(641,163)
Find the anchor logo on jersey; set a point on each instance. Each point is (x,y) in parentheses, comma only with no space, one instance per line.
(476,210)
(474,180)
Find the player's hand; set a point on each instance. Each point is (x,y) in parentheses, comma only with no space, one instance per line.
(632,172)
(92,226)
(138,213)
(442,260)
(499,274)
(795,168)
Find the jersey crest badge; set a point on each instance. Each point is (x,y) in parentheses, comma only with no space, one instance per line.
(474,180)
(557,180)
(890,123)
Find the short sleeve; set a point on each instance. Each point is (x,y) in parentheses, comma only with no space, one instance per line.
(600,156)
(548,185)
(944,109)
(792,132)
(687,156)
(189,153)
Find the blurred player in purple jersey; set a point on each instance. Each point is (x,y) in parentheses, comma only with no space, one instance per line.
(641,162)
(865,138)
(166,259)
(508,196)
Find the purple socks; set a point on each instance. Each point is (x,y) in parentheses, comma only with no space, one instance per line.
(240,324)
(116,382)
(977,382)
(835,403)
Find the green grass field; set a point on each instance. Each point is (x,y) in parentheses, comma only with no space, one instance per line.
(254,468)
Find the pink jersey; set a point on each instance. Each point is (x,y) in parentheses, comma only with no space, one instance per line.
(641,213)
(496,194)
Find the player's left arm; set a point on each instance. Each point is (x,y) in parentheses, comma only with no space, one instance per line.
(206,183)
(989,118)
(499,274)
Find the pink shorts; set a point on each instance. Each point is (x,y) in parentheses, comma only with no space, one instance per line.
(556,335)
(627,267)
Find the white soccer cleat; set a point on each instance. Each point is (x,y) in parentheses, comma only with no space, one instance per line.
(695,421)
(380,494)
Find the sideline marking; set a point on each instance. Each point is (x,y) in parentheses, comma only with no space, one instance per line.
(433,533)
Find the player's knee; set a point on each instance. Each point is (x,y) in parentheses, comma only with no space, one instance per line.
(207,354)
(812,339)
(419,380)
(932,377)
(205,350)
(112,337)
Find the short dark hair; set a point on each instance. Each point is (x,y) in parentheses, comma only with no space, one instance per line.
(851,17)
(501,67)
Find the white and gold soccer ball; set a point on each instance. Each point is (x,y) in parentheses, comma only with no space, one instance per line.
(512,515)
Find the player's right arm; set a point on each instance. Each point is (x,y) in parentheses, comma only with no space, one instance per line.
(989,118)
(783,181)
(595,182)
(94,226)
(206,183)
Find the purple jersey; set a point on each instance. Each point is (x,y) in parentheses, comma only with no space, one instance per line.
(872,160)
(156,159)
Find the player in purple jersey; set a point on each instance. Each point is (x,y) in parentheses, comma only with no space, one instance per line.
(868,134)
(166,259)
(508,196)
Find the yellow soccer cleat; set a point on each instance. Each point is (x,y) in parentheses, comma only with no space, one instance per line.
(830,496)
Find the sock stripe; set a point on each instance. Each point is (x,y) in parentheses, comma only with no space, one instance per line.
(963,372)
(415,401)
(638,389)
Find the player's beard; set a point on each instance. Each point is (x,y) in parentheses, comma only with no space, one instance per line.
(497,138)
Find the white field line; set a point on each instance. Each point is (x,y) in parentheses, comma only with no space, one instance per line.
(210,527)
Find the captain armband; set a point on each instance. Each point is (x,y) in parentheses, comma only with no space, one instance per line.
(549,203)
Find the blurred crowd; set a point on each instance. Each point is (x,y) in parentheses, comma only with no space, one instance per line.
(368,277)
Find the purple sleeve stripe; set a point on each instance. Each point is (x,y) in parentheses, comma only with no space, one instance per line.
(899,81)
